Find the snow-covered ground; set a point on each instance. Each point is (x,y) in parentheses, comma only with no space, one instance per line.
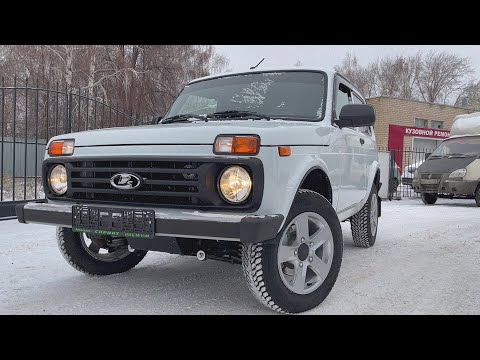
(426,261)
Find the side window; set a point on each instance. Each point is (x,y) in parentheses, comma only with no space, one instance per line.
(343,97)
(363,129)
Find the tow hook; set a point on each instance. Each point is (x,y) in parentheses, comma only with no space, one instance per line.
(201,255)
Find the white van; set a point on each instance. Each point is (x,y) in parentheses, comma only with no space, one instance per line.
(453,169)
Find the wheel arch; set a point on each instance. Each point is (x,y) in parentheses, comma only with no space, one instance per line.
(316,179)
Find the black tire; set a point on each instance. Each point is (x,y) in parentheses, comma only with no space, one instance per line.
(429,199)
(73,251)
(477,195)
(260,261)
(362,233)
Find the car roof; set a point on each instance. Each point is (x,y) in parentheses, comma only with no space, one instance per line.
(329,72)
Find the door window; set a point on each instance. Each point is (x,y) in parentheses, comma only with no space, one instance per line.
(342,98)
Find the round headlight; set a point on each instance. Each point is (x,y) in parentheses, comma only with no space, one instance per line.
(235,184)
(58,180)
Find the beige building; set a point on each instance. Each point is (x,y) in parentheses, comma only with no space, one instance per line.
(412,124)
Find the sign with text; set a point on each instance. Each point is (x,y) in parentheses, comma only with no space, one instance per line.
(397,133)
(428,133)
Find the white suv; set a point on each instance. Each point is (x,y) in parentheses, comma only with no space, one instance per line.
(256,168)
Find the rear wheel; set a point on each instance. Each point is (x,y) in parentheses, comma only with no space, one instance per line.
(97,255)
(429,199)
(364,224)
(296,271)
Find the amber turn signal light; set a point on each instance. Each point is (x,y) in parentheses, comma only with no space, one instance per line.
(284,151)
(238,145)
(61,147)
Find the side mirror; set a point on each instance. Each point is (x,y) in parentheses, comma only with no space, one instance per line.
(156,120)
(356,115)
(427,155)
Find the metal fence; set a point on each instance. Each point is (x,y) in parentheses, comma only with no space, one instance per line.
(403,163)
(30,114)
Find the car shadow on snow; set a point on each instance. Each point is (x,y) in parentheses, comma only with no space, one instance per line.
(158,285)
(467,204)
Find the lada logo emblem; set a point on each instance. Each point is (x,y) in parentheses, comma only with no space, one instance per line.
(126,181)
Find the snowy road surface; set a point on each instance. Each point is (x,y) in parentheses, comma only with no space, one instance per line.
(426,261)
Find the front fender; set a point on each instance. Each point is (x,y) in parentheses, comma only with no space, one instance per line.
(284,175)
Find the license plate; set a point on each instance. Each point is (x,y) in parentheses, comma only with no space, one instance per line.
(429,181)
(129,223)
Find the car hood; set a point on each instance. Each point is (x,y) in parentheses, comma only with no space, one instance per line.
(273,132)
(443,165)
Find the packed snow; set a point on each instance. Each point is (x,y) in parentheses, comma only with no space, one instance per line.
(425,261)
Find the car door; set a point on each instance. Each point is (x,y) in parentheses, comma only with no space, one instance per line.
(367,153)
(347,143)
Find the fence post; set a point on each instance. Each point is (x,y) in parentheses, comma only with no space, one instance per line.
(3,136)
(391,174)
(67,126)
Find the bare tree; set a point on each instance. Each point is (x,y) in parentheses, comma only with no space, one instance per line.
(442,74)
(142,80)
(434,77)
(397,76)
(364,78)
(469,96)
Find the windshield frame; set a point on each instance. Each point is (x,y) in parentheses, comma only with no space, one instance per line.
(453,139)
(324,100)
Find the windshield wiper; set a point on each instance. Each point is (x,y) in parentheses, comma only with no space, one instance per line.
(182,117)
(435,157)
(231,114)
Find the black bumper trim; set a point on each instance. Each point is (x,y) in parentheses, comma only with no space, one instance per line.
(251,229)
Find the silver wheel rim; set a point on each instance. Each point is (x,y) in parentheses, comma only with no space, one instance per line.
(107,254)
(305,253)
(374,214)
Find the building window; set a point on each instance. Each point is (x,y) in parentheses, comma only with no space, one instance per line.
(437,124)
(421,123)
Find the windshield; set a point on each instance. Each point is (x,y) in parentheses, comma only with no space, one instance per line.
(464,146)
(290,94)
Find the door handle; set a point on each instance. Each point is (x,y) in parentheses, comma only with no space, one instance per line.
(362,141)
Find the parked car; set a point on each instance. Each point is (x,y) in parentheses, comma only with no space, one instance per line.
(453,169)
(257,168)
(409,171)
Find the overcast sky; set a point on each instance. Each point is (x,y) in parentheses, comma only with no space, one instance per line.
(241,57)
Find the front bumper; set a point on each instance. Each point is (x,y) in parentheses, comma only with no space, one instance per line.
(454,187)
(173,222)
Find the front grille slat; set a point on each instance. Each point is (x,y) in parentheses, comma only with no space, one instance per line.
(90,179)
(123,192)
(431,176)
(135,170)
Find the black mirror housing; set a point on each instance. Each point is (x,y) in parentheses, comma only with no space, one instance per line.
(356,115)
(156,120)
